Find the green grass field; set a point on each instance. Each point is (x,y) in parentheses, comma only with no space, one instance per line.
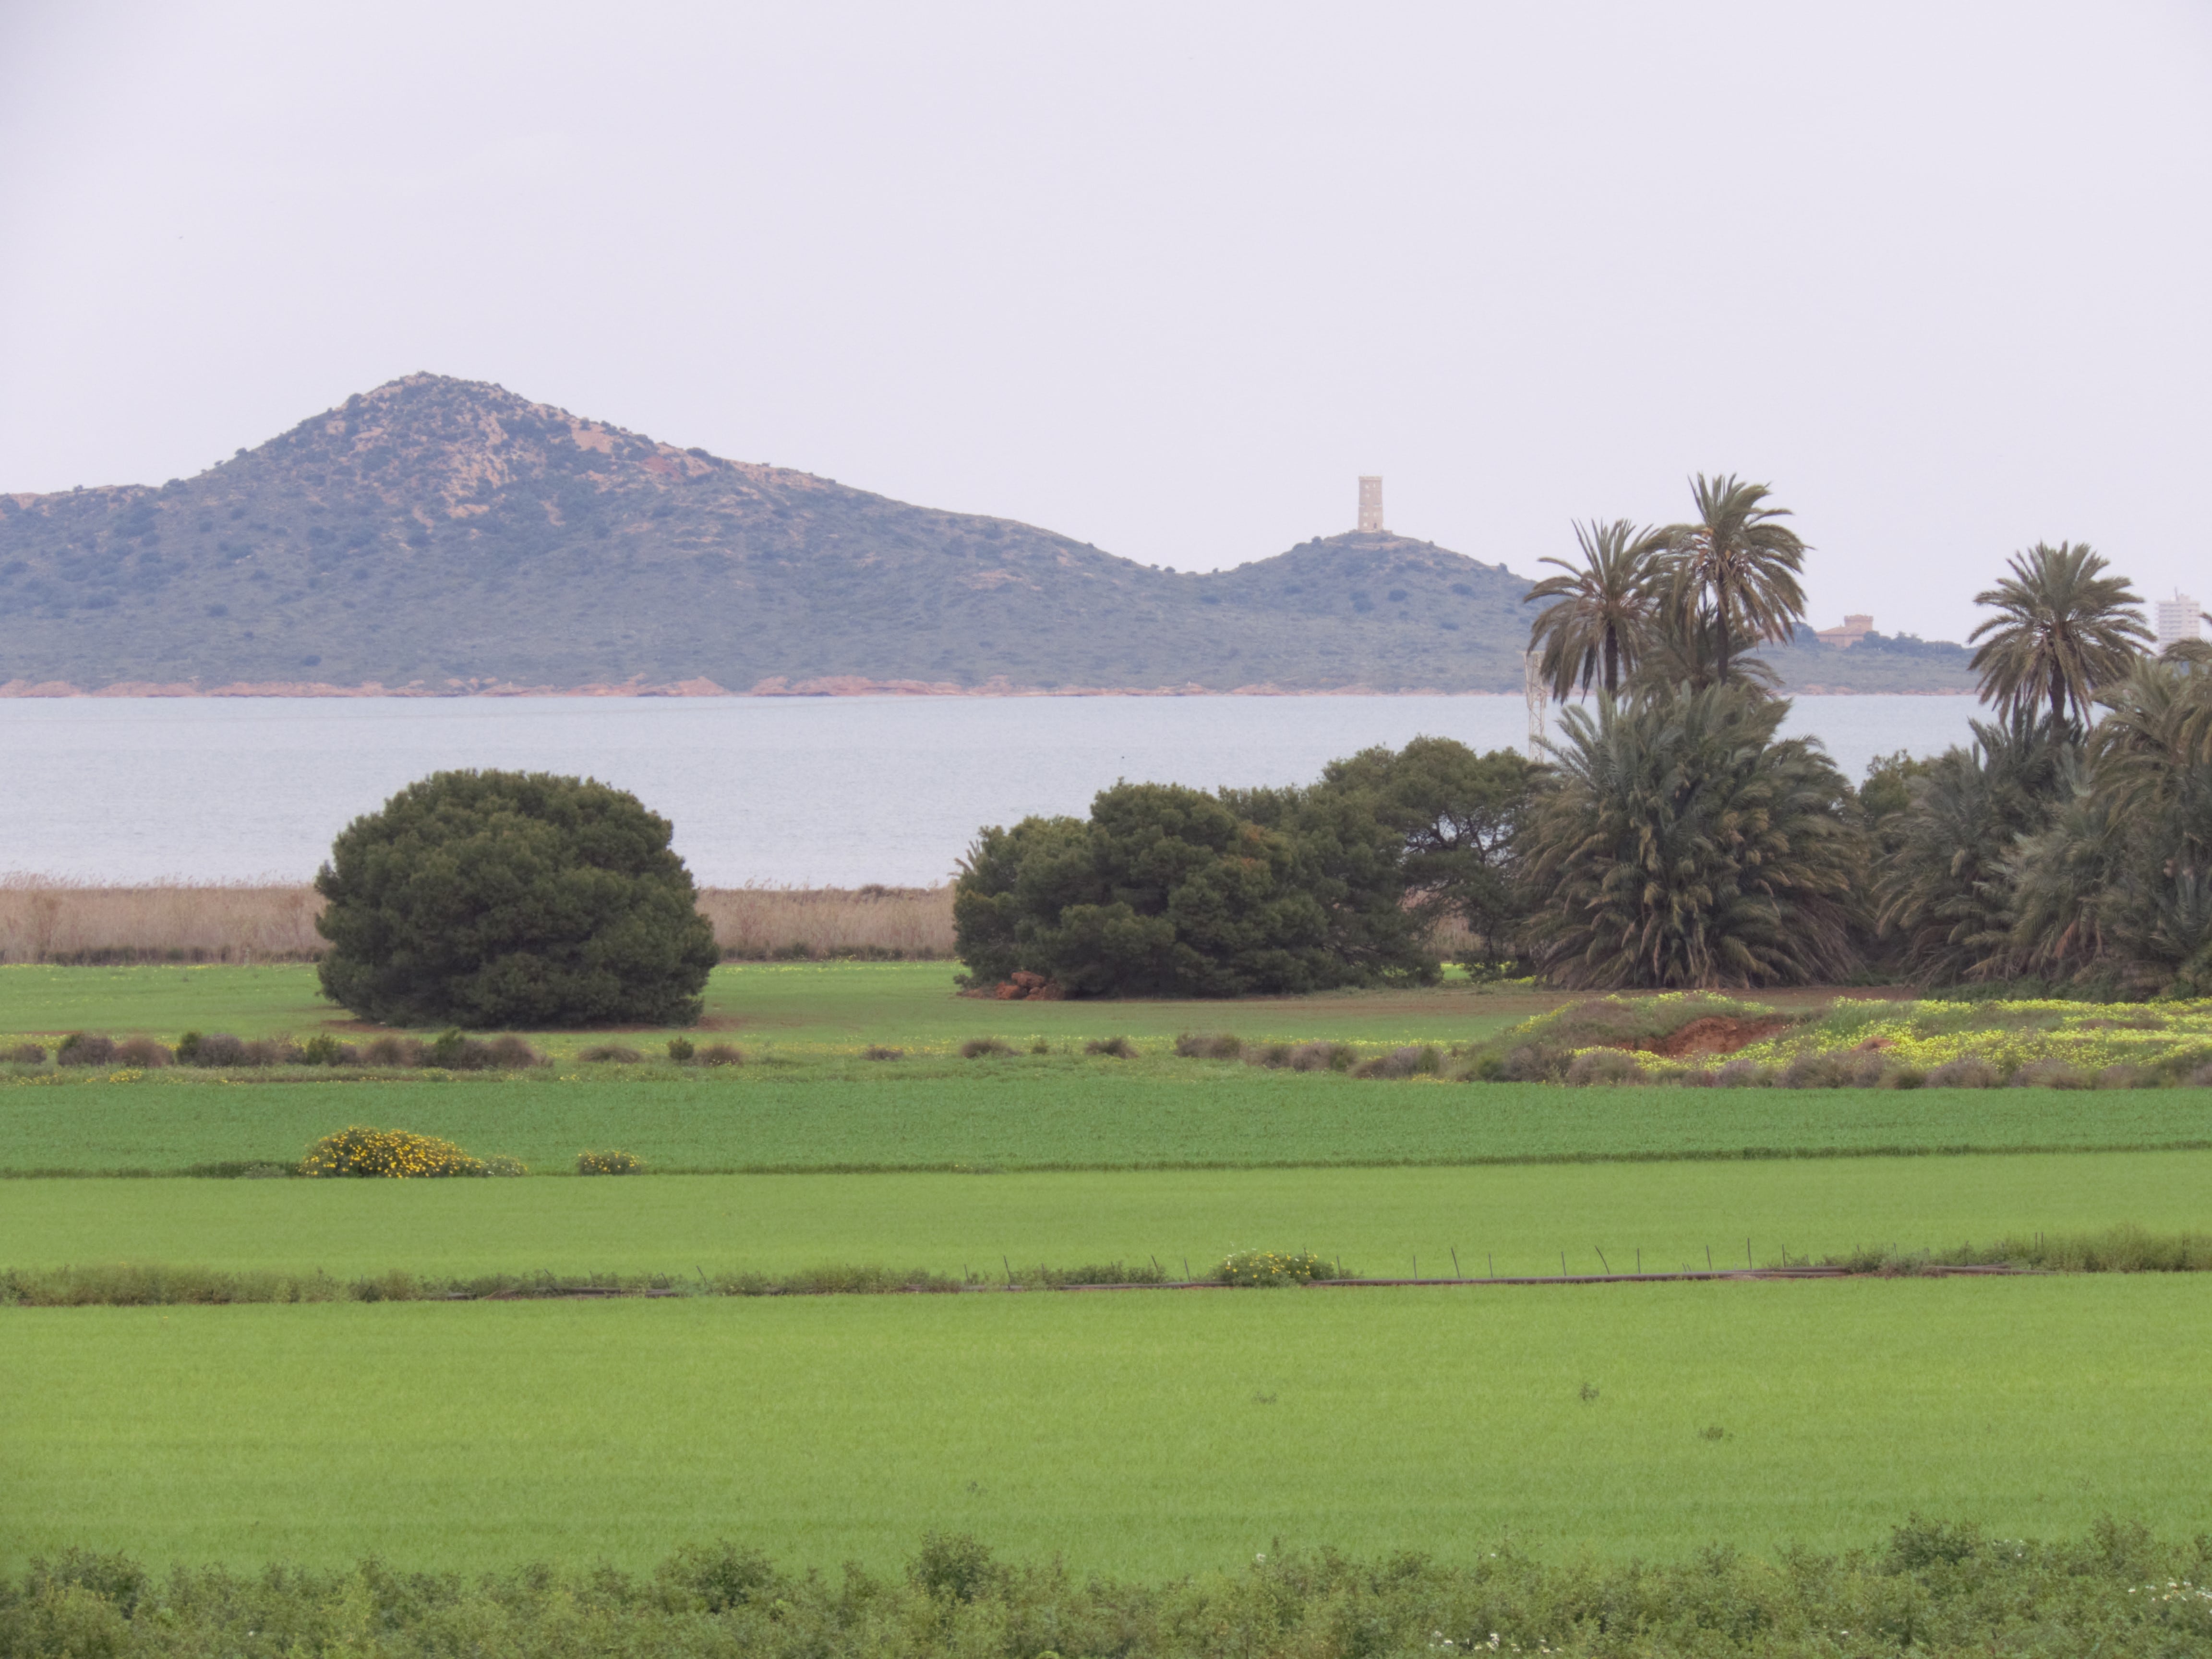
(1377,1220)
(798,1006)
(1058,1111)
(1136,1433)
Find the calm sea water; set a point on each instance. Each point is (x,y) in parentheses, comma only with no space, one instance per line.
(825,791)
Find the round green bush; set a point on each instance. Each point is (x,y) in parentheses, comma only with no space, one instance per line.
(477,899)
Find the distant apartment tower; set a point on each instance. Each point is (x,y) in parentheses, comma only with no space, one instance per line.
(2180,618)
(1370,503)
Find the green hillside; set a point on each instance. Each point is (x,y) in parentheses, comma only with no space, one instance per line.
(442,535)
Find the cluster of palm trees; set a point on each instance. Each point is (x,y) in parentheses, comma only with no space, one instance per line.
(1679,841)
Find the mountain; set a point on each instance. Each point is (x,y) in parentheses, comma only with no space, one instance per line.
(446,536)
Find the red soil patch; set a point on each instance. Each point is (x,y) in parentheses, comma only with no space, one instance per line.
(1714,1034)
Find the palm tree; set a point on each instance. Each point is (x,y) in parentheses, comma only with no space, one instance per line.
(2061,630)
(1946,890)
(1739,565)
(1592,632)
(1684,847)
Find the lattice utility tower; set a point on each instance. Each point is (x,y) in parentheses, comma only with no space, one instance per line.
(1370,503)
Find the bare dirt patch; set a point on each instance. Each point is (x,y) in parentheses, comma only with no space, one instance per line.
(1714,1034)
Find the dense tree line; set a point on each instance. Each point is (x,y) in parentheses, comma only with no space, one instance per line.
(1671,837)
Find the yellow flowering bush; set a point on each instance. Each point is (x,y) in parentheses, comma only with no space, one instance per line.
(2171,1039)
(609,1162)
(1262,1269)
(393,1153)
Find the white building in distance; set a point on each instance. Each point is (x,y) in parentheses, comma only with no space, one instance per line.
(2178,618)
(1370,503)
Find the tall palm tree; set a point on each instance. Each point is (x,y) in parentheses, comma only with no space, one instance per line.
(1945,890)
(2061,630)
(1739,563)
(1685,846)
(1593,631)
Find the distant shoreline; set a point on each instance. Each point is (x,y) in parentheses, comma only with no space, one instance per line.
(840,687)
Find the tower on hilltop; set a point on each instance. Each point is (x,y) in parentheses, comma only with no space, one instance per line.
(1370,503)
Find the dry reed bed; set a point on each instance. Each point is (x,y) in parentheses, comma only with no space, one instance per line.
(43,920)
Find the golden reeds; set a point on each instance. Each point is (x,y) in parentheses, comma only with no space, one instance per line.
(43,919)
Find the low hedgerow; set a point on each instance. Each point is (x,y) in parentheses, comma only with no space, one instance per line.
(25,1053)
(1209,1045)
(1304,1056)
(609,1054)
(1415,1059)
(1264,1269)
(1115,1047)
(392,1153)
(1931,1588)
(984,1049)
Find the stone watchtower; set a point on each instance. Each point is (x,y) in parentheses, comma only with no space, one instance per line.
(1370,504)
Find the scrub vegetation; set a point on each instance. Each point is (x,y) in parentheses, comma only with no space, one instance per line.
(1932,1588)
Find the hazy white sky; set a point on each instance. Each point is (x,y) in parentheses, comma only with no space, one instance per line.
(1166,278)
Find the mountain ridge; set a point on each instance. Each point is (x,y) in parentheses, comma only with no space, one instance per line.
(436,537)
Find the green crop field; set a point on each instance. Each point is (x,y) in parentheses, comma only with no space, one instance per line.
(1519,1220)
(1043,1111)
(1137,1433)
(793,1005)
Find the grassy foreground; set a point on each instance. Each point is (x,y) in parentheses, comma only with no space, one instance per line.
(1143,1434)
(1379,1221)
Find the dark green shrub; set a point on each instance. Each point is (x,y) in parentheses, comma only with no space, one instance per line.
(324,1049)
(608,1163)
(951,1567)
(506,898)
(983,1048)
(680,1050)
(611,1054)
(85,1049)
(28,1054)
(717,1579)
(1117,1047)
(1171,891)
